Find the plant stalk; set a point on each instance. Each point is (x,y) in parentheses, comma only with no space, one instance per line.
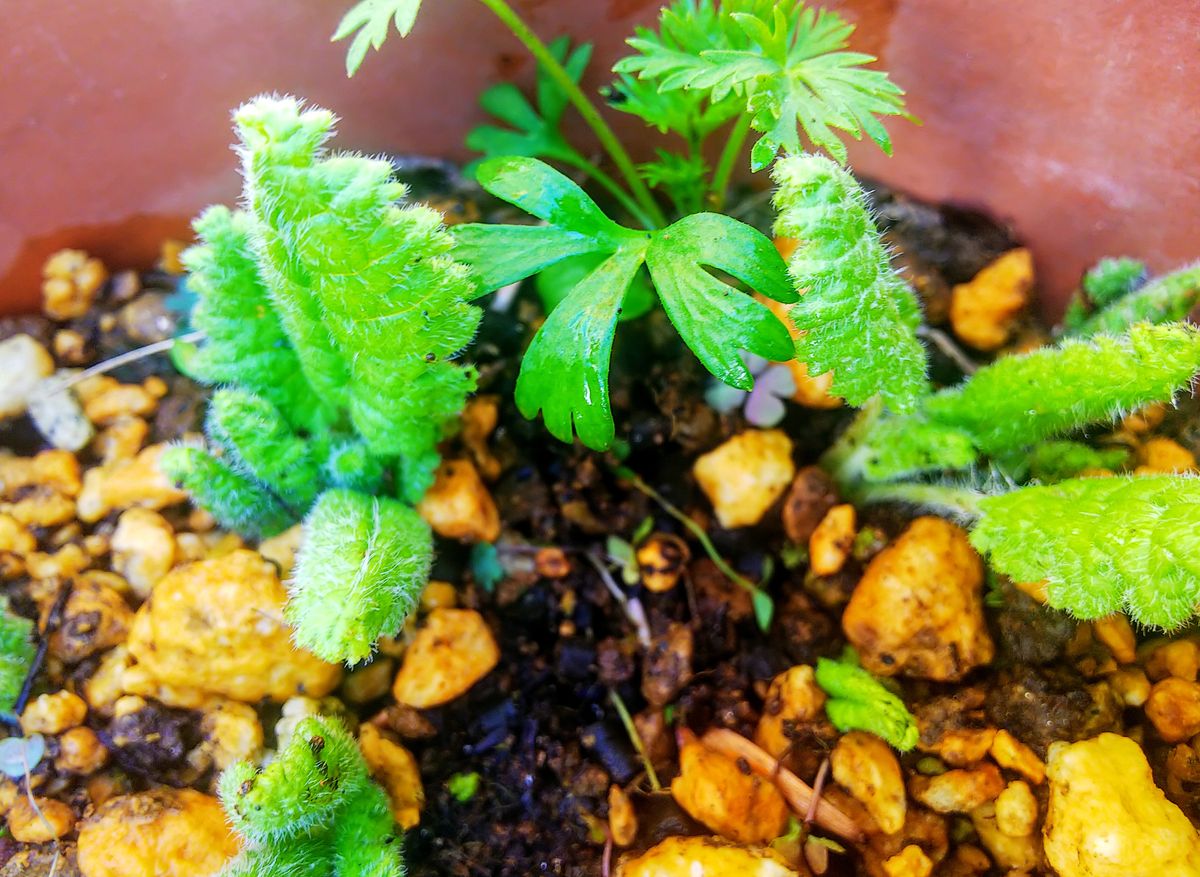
(756,593)
(729,155)
(960,502)
(580,101)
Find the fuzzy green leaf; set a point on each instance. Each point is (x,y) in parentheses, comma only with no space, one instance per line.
(1163,300)
(360,571)
(1110,279)
(236,501)
(908,445)
(858,701)
(565,370)
(261,445)
(858,316)
(244,342)
(786,61)
(296,857)
(350,464)
(310,779)
(371,291)
(531,132)
(1054,461)
(371,19)
(365,840)
(16,654)
(1019,400)
(1102,544)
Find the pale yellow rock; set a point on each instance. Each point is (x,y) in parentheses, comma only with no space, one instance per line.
(23,363)
(143,549)
(704,857)
(394,768)
(1012,754)
(217,626)
(867,768)
(918,609)
(126,483)
(39,820)
(1106,818)
(1016,855)
(1131,686)
(983,310)
(451,651)
(744,477)
(1016,809)
(14,537)
(57,470)
(80,752)
(714,790)
(1115,632)
(793,699)
(909,862)
(106,400)
(830,544)
(622,818)
(53,713)
(230,731)
(459,505)
(281,549)
(958,791)
(160,833)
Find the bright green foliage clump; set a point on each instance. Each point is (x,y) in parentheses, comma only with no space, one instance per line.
(859,702)
(332,317)
(313,810)
(367,290)
(858,316)
(1118,300)
(787,64)
(236,501)
(1054,461)
(1018,401)
(244,343)
(16,654)
(1102,544)
(565,370)
(360,570)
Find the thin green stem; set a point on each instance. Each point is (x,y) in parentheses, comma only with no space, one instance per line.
(610,185)
(729,155)
(762,600)
(580,101)
(635,738)
(960,502)
(841,460)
